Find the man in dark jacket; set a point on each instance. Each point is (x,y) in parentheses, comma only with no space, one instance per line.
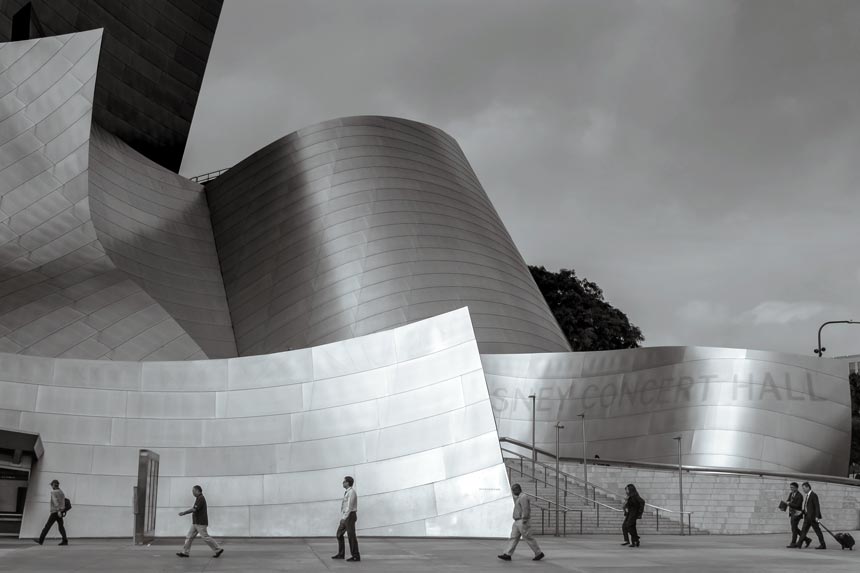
(199,524)
(795,514)
(811,514)
(633,509)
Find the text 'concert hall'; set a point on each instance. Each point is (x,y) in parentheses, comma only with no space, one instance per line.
(344,301)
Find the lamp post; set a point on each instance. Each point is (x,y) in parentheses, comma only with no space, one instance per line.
(534,422)
(680,483)
(558,428)
(584,455)
(820,349)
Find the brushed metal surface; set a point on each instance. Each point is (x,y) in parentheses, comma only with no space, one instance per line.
(62,292)
(423,450)
(362,224)
(734,408)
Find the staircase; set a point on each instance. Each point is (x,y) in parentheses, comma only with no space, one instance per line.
(601,511)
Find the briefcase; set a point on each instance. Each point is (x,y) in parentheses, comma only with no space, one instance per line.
(783,506)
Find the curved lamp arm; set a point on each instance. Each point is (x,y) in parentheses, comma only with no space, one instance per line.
(820,349)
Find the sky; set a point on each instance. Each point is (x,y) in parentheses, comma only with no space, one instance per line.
(697,159)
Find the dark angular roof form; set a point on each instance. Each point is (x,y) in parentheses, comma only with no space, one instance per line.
(153,57)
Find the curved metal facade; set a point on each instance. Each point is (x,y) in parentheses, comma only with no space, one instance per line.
(406,412)
(361,224)
(734,408)
(154,225)
(104,254)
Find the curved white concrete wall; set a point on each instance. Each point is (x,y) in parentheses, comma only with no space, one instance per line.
(734,408)
(406,412)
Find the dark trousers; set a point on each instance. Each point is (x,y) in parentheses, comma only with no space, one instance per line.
(52,519)
(348,526)
(815,527)
(628,528)
(795,528)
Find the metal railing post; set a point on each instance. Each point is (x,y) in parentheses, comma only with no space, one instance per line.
(534,432)
(680,483)
(584,455)
(558,428)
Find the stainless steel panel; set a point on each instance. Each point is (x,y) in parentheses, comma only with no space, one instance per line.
(391,411)
(326,196)
(736,408)
(48,181)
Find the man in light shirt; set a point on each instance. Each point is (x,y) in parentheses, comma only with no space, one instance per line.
(348,517)
(58,511)
(522,526)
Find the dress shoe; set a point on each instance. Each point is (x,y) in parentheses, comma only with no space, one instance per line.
(181,554)
(791,546)
(337,556)
(625,543)
(218,553)
(821,547)
(539,556)
(635,543)
(354,559)
(37,541)
(504,557)
(807,541)
(66,542)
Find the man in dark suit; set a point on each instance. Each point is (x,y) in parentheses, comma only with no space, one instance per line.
(811,514)
(795,514)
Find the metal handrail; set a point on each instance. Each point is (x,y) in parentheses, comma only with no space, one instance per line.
(594,486)
(564,489)
(206,177)
(699,469)
(564,508)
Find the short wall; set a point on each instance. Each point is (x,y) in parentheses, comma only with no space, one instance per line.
(728,504)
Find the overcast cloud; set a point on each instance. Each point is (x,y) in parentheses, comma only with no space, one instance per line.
(699,160)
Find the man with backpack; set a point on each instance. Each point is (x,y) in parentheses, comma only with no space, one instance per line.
(59,506)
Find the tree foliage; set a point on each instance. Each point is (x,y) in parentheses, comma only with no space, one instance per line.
(588,321)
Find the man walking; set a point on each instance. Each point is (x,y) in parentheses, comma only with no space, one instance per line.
(58,512)
(199,524)
(521,527)
(811,514)
(348,517)
(795,514)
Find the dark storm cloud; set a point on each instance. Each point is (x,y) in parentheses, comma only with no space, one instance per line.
(699,160)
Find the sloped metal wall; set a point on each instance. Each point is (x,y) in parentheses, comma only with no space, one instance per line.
(406,412)
(360,224)
(733,408)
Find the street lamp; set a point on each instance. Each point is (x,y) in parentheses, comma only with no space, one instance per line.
(534,422)
(558,429)
(820,349)
(584,455)
(680,483)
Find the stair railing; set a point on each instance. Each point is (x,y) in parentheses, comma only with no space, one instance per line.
(547,468)
(536,478)
(562,508)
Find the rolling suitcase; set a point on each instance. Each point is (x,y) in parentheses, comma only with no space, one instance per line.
(844,539)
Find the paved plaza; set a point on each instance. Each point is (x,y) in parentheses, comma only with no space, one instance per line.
(584,553)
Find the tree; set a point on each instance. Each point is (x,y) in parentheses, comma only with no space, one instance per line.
(588,321)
